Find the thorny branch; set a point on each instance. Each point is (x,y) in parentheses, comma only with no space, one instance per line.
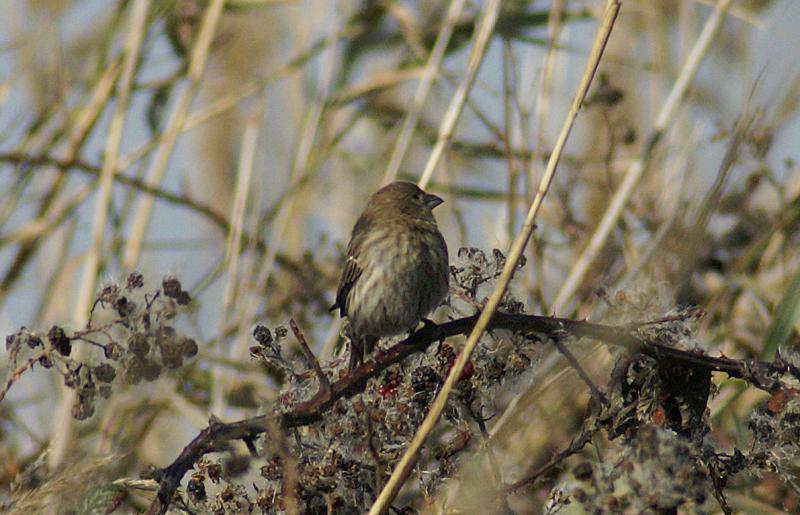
(324,383)
(215,437)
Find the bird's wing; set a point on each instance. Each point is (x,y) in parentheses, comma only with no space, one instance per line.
(352,270)
(349,277)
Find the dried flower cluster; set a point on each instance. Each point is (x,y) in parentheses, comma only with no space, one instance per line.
(663,453)
(654,471)
(135,340)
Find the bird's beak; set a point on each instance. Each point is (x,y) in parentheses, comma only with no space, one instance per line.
(432,200)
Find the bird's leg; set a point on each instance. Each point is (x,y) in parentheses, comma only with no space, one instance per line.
(360,349)
(356,355)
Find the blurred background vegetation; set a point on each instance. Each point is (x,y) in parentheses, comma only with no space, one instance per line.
(234,145)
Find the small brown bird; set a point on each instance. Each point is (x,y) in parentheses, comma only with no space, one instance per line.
(396,271)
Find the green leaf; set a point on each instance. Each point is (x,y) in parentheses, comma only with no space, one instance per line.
(785,316)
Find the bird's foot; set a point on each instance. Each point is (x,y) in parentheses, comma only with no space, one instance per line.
(428,324)
(356,358)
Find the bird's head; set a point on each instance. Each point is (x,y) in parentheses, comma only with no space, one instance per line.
(405,197)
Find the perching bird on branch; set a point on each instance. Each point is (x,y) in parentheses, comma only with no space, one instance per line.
(396,271)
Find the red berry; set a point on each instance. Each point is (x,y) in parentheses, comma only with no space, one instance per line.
(469,368)
(385,391)
(389,385)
